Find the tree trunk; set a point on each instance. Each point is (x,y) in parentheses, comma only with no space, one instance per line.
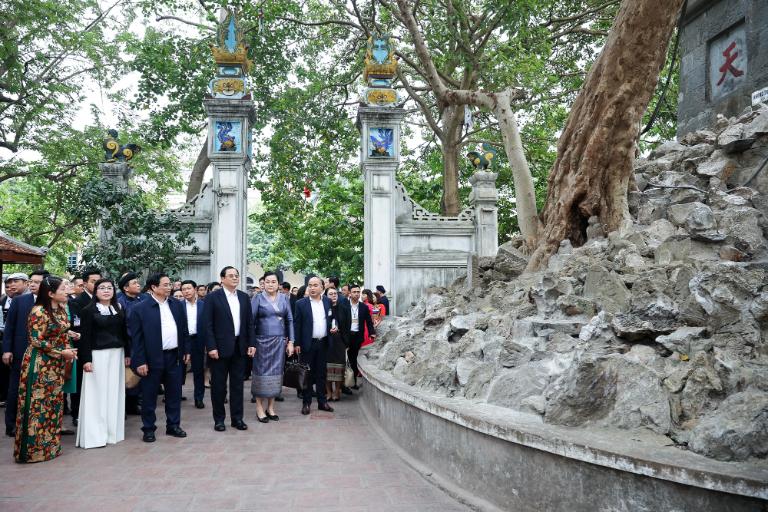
(198,172)
(596,149)
(453,117)
(525,195)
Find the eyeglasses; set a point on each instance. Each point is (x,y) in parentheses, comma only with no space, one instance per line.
(105,288)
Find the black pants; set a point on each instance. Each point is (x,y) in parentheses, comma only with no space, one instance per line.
(316,358)
(170,377)
(75,397)
(5,379)
(221,368)
(11,406)
(198,366)
(355,342)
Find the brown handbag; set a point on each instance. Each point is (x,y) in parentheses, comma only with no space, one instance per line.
(68,370)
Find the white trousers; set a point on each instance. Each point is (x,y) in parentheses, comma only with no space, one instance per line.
(102,400)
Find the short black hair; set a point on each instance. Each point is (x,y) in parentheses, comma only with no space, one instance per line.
(91,272)
(353,285)
(267,274)
(224,270)
(334,280)
(154,279)
(189,281)
(212,284)
(286,285)
(42,273)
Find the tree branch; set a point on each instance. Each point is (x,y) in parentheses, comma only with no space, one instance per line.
(422,105)
(186,22)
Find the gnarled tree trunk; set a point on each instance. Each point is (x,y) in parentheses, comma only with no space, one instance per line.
(450,137)
(198,172)
(596,149)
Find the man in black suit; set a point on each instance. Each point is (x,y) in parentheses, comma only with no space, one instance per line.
(90,276)
(15,341)
(15,286)
(159,354)
(361,317)
(312,324)
(227,326)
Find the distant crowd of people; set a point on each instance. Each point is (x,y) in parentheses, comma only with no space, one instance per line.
(87,338)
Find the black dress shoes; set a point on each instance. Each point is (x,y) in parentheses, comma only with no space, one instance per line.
(149,437)
(273,417)
(175,432)
(199,404)
(305,409)
(67,432)
(10,432)
(279,398)
(325,407)
(219,427)
(346,390)
(240,425)
(263,419)
(253,399)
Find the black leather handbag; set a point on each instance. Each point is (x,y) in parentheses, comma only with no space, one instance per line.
(296,374)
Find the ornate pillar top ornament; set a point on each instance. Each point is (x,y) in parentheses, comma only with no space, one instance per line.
(380,70)
(114,152)
(232,64)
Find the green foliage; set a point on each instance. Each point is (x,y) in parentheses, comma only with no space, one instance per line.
(140,237)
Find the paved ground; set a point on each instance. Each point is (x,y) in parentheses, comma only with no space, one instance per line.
(321,462)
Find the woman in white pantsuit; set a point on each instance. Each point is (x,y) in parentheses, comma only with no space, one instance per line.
(104,352)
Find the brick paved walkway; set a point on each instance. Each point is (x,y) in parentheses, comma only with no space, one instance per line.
(324,461)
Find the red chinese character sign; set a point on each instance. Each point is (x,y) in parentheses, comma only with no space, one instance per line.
(727,62)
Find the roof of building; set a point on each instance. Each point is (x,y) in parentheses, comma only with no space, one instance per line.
(16,251)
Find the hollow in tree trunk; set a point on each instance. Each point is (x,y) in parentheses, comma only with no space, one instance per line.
(596,149)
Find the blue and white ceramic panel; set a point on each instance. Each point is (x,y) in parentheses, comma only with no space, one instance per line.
(381,142)
(228,137)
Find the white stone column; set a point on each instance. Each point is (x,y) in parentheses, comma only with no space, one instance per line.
(483,200)
(379,159)
(229,149)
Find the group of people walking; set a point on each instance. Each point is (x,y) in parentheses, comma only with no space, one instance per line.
(57,342)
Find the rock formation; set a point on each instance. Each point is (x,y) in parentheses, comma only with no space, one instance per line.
(662,324)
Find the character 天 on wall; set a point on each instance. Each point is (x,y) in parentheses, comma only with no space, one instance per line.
(382,142)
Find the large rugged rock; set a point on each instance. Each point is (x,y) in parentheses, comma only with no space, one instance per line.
(661,324)
(737,430)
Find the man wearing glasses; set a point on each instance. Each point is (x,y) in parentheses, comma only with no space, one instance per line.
(159,354)
(227,326)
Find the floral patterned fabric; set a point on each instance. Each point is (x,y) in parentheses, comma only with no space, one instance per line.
(41,401)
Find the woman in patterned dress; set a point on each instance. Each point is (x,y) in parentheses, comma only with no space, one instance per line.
(41,401)
(273,321)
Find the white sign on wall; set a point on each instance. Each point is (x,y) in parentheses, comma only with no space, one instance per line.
(727,62)
(760,96)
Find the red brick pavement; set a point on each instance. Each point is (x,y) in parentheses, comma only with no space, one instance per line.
(321,462)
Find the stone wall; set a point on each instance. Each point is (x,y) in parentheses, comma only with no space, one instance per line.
(661,326)
(709,27)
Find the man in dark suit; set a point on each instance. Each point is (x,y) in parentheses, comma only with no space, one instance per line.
(159,353)
(90,276)
(194,307)
(15,341)
(229,338)
(15,286)
(312,324)
(361,317)
(381,297)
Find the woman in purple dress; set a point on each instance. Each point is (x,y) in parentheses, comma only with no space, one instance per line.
(273,322)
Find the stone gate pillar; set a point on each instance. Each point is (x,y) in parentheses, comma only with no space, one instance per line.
(483,201)
(231,114)
(378,120)
(380,156)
